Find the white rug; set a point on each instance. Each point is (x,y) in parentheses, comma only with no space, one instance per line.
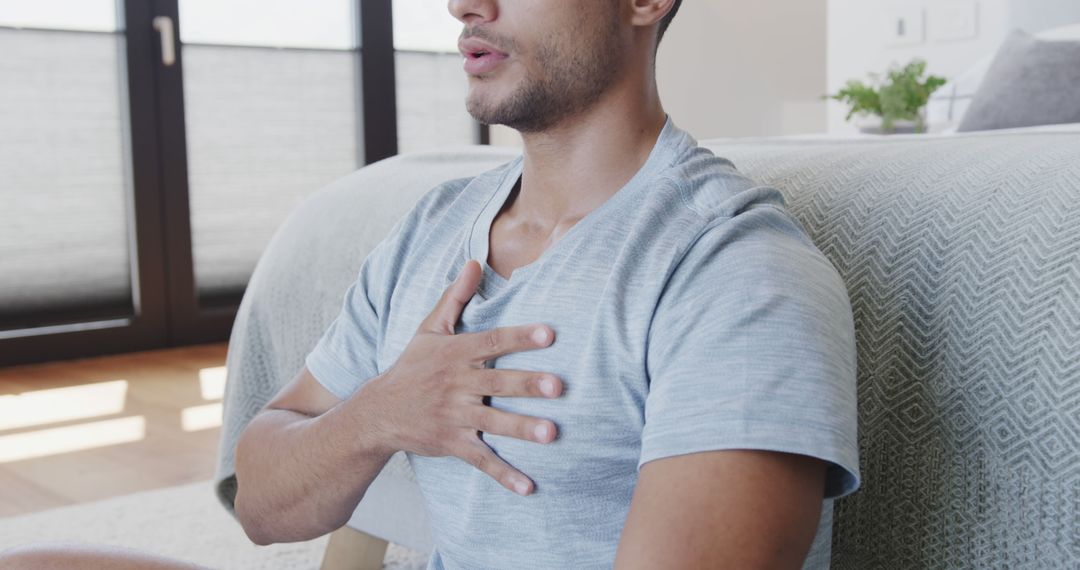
(185,523)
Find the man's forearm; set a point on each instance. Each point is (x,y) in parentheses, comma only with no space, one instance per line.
(300,477)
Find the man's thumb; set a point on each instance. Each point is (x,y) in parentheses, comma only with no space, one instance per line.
(447,311)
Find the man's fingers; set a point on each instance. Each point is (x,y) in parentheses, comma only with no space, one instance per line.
(492,343)
(527,428)
(513,383)
(480,456)
(444,317)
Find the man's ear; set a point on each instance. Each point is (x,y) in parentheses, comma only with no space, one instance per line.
(649,12)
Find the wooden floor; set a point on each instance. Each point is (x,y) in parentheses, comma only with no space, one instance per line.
(89,429)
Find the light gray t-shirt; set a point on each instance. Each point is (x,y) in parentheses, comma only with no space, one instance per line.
(691,312)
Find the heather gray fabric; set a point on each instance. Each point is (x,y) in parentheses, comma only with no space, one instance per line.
(1030,82)
(691,312)
(960,257)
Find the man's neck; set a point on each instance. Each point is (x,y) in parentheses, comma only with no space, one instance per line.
(576,166)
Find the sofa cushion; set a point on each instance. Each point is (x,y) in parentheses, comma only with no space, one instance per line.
(1030,82)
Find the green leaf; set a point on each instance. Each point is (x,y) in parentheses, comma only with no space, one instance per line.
(901,96)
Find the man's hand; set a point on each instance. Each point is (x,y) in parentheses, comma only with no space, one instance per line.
(432,397)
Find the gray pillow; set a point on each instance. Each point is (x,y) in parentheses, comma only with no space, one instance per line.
(1030,82)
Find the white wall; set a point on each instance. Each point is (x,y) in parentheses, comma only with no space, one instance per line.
(859,43)
(745,68)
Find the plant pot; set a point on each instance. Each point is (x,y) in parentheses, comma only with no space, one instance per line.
(899,128)
(872,126)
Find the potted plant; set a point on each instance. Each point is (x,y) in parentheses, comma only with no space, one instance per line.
(900,101)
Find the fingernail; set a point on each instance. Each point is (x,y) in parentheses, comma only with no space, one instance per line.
(521,487)
(540,335)
(547,385)
(541,431)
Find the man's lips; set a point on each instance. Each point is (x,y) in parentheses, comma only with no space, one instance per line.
(472,46)
(480,56)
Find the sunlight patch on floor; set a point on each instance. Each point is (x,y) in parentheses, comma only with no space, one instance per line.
(202,417)
(41,407)
(80,437)
(212,382)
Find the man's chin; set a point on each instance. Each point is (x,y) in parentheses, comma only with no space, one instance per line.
(482,108)
(496,107)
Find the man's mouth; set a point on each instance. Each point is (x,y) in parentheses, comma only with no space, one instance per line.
(475,47)
(480,57)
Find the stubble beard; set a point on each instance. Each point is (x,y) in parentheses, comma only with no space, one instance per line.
(567,87)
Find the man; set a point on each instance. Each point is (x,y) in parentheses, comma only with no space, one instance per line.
(614,350)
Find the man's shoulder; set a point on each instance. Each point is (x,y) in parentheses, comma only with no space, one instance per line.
(727,214)
(713,189)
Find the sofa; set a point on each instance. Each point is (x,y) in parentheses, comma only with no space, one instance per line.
(961,257)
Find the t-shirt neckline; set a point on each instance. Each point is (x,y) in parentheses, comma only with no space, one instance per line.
(661,155)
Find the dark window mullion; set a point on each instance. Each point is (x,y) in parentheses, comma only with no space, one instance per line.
(377,80)
(176,213)
(151,302)
(189,323)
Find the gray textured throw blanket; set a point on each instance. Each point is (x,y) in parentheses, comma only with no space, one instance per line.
(961,255)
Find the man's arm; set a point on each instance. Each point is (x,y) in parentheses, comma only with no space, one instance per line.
(723,509)
(305,461)
(751,349)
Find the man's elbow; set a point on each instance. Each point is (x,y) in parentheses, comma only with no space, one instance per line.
(266,504)
(253,526)
(264,528)
(257,539)
(257,506)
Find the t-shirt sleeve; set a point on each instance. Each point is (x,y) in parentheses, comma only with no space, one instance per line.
(752,346)
(344,358)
